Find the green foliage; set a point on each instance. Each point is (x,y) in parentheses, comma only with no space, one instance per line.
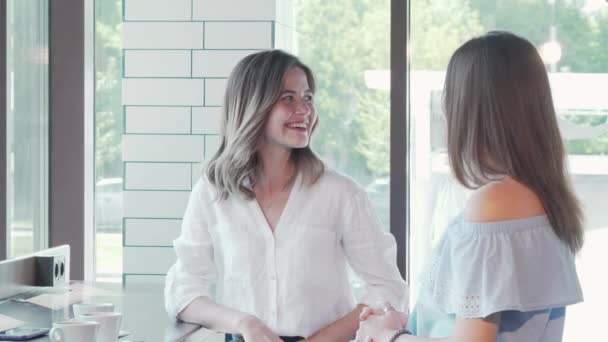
(437,29)
(340,40)
(577,32)
(374,141)
(108,100)
(335,40)
(591,146)
(582,35)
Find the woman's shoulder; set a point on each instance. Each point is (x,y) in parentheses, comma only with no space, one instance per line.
(335,181)
(502,200)
(204,188)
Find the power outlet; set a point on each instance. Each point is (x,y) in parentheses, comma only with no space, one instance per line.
(50,270)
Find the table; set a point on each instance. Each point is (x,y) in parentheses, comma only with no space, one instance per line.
(142,307)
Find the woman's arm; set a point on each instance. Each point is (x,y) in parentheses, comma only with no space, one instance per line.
(382,329)
(372,254)
(341,330)
(209,314)
(189,281)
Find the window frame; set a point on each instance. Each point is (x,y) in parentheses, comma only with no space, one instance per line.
(3,136)
(399,133)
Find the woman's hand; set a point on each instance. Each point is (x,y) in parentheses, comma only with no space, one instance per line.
(254,330)
(379,324)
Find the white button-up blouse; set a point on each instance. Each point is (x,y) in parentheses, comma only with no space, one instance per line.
(295,280)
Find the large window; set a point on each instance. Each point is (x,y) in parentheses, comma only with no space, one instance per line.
(27,125)
(347,45)
(108,132)
(572,37)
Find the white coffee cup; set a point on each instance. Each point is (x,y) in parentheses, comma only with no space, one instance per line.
(74,331)
(109,324)
(83,308)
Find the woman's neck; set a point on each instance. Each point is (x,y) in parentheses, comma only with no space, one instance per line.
(277,168)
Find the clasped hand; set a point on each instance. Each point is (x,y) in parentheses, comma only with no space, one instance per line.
(379,324)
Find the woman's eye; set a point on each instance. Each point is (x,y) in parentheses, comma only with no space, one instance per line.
(308,98)
(287,98)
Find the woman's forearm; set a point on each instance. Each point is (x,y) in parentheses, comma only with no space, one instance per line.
(410,338)
(211,315)
(341,330)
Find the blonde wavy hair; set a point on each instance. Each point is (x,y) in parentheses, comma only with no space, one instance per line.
(254,86)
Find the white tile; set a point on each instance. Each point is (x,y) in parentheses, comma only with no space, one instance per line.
(163,91)
(147,260)
(197,172)
(151,232)
(216,63)
(214,91)
(206,120)
(238,35)
(157,176)
(159,35)
(212,144)
(234,10)
(157,63)
(155,204)
(158,10)
(163,148)
(157,120)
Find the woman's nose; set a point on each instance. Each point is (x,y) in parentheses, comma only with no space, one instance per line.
(302,107)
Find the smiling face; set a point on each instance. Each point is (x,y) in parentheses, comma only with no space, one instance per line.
(292,118)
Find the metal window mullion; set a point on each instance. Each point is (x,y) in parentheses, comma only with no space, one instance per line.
(3,131)
(399,133)
(66,135)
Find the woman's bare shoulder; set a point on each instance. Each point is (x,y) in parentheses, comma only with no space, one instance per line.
(503,200)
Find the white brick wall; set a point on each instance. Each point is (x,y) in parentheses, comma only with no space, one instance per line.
(214,91)
(158,176)
(158,63)
(163,91)
(238,35)
(159,148)
(159,119)
(211,10)
(163,35)
(151,232)
(155,204)
(206,120)
(216,63)
(162,10)
(178,55)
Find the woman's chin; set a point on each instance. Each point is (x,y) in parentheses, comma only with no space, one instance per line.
(299,144)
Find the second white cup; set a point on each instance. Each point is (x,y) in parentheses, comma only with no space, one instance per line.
(109,324)
(83,308)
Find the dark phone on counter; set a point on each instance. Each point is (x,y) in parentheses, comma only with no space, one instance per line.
(22,333)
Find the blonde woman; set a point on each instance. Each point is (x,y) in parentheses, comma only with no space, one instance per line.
(504,269)
(269,231)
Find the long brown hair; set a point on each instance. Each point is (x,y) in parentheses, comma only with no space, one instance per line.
(254,86)
(501,121)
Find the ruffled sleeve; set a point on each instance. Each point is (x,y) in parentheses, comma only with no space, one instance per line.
(478,269)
